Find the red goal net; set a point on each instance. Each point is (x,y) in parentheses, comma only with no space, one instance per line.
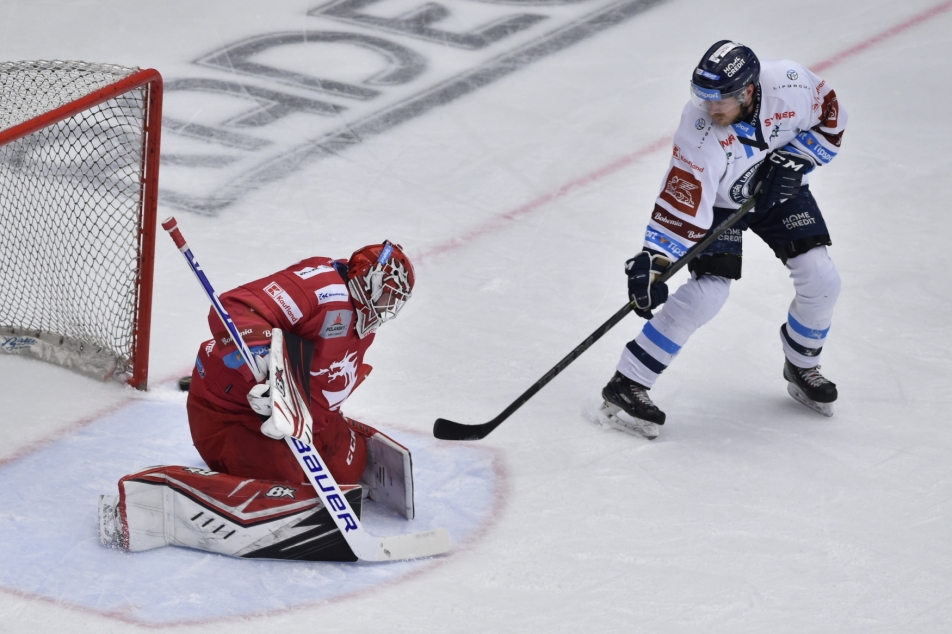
(79,160)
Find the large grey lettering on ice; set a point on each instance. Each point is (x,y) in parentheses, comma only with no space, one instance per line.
(280,106)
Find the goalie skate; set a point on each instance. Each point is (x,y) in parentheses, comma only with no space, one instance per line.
(615,417)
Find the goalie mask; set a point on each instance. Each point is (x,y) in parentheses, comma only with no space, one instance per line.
(380,278)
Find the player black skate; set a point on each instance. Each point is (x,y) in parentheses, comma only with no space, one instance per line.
(629,408)
(810,387)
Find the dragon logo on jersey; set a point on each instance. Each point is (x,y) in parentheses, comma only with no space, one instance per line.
(346,369)
(682,191)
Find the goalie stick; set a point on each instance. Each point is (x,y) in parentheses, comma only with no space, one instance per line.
(445,429)
(365,546)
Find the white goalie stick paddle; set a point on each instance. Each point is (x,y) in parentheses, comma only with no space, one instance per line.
(365,546)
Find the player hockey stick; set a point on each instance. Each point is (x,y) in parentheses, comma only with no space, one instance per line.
(445,429)
(365,546)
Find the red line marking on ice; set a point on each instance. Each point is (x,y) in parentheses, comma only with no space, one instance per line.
(503,220)
(885,35)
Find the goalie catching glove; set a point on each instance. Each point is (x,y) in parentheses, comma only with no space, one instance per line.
(646,294)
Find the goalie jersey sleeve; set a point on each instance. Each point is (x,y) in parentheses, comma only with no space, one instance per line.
(716,166)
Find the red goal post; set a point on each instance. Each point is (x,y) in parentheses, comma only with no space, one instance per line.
(79,164)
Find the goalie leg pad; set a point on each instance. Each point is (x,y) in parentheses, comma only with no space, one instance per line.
(389,472)
(229,515)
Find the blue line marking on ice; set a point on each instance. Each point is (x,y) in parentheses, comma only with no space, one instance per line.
(660,340)
(51,537)
(805,331)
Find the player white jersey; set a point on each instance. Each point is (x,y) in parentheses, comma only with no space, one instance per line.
(714,166)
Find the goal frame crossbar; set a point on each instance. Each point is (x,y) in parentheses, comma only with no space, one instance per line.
(148,197)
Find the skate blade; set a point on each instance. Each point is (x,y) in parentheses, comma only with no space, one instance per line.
(613,416)
(823,408)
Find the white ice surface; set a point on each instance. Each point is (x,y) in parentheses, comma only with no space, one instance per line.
(520,201)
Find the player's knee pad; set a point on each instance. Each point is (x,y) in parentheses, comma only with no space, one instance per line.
(694,304)
(726,265)
(815,277)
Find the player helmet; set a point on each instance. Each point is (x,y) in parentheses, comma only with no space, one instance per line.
(724,71)
(380,278)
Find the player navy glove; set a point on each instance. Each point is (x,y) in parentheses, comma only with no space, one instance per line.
(780,176)
(646,294)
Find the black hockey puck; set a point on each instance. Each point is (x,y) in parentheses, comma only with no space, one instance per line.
(184,383)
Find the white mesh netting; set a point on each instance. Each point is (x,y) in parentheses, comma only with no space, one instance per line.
(69,215)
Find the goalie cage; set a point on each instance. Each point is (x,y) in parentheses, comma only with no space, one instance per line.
(79,163)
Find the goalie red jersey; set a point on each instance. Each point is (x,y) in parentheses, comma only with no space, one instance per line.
(337,305)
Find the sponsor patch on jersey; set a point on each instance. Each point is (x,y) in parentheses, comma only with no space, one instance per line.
(234,360)
(700,124)
(779,116)
(284,302)
(740,189)
(831,110)
(682,191)
(200,367)
(332,293)
(336,324)
(665,243)
(681,157)
(676,225)
(310,271)
(820,154)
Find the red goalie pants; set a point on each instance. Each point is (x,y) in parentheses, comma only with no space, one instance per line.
(228,444)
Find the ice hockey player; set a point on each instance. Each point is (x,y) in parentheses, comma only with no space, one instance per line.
(336,304)
(749,126)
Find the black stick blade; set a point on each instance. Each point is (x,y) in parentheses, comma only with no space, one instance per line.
(448,430)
